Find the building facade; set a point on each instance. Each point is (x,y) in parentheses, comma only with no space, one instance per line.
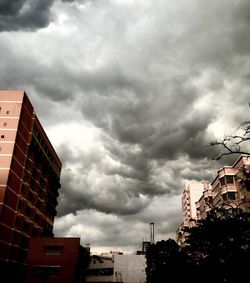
(100,269)
(229,189)
(191,194)
(130,268)
(57,260)
(116,267)
(29,180)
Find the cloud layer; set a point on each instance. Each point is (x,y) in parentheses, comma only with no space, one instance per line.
(130,93)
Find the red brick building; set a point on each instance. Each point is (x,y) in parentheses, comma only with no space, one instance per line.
(57,260)
(29,181)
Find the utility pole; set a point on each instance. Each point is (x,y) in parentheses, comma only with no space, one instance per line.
(152,233)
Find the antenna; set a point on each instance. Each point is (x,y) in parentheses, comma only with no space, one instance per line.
(152,233)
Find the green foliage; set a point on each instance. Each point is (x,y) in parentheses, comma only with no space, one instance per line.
(217,250)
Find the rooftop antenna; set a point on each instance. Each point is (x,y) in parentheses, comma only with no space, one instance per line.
(152,233)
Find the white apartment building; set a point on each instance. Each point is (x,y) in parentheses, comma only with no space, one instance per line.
(192,192)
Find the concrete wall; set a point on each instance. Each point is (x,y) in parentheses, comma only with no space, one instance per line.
(129,268)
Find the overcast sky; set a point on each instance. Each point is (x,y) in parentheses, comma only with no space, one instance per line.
(130,93)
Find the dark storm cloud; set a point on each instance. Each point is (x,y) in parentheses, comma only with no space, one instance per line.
(27,14)
(24,14)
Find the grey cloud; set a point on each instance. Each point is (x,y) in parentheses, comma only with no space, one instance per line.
(152,76)
(123,190)
(117,200)
(120,197)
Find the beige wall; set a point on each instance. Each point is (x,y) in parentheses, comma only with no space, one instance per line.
(10,108)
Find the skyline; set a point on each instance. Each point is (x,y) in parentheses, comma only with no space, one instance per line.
(130,94)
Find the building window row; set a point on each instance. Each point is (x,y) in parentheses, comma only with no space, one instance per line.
(42,143)
(27,226)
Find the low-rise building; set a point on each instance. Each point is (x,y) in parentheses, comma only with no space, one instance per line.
(100,269)
(57,260)
(116,267)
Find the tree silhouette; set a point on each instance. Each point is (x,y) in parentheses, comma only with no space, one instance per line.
(217,250)
(219,246)
(162,260)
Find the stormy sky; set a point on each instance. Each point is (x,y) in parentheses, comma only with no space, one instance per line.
(130,93)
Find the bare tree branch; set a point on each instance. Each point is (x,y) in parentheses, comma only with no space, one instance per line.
(232,144)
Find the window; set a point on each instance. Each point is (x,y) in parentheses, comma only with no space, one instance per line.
(216,189)
(7,112)
(21,205)
(229,179)
(44,271)
(2,136)
(5,124)
(229,196)
(38,204)
(222,181)
(31,196)
(25,226)
(28,210)
(23,190)
(18,221)
(208,200)
(53,250)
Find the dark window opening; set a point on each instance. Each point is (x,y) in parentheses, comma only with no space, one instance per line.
(229,179)
(222,181)
(53,250)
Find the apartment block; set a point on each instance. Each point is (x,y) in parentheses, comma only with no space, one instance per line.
(191,194)
(29,180)
(230,188)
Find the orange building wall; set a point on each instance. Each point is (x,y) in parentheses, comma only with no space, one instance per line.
(29,179)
